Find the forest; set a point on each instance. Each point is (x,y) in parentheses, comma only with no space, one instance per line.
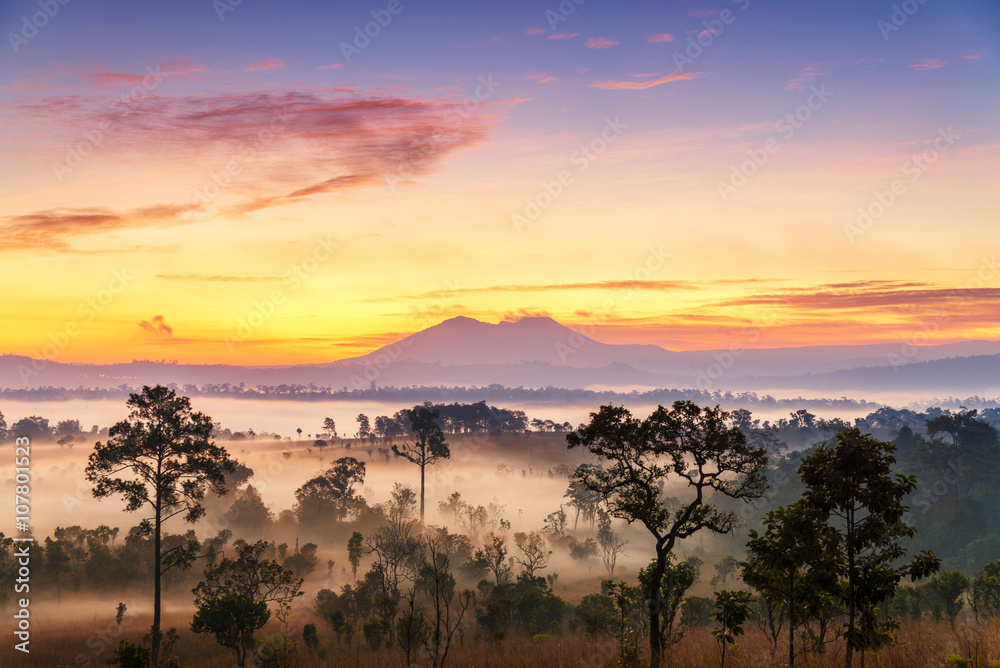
(717,539)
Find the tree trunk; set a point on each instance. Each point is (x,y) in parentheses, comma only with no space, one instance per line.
(154,643)
(849,653)
(654,609)
(791,619)
(422,466)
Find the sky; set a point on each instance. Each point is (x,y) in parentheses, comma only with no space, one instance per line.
(255,182)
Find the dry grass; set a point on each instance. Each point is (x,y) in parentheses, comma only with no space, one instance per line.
(90,643)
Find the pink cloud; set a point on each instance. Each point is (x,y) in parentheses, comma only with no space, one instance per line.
(661,37)
(600,43)
(563,35)
(974,56)
(926,64)
(112,78)
(541,78)
(805,77)
(642,85)
(267,65)
(533,31)
(335,66)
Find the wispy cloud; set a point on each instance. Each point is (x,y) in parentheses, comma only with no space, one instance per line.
(218,278)
(541,78)
(642,85)
(926,64)
(600,43)
(805,76)
(316,142)
(533,31)
(54,229)
(661,37)
(563,35)
(268,65)
(335,66)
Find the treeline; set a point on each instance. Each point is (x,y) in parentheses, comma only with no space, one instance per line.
(411,394)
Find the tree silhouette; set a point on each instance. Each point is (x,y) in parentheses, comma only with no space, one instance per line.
(693,444)
(161,456)
(429,446)
(232,600)
(850,489)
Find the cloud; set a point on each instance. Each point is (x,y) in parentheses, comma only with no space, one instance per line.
(805,77)
(217,278)
(533,31)
(53,229)
(302,143)
(642,85)
(335,66)
(893,296)
(661,37)
(655,286)
(170,68)
(600,43)
(563,35)
(521,313)
(926,64)
(112,78)
(158,326)
(268,65)
(541,78)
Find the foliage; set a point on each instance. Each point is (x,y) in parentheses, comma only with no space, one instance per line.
(693,444)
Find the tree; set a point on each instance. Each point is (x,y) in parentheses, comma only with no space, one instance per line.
(31,427)
(851,490)
(583,498)
(354,551)
(949,587)
(693,444)
(436,579)
(611,543)
(985,597)
(535,556)
(161,456)
(792,567)
(331,493)
(724,568)
(731,610)
(429,446)
(330,427)
(232,600)
(364,427)
(3,427)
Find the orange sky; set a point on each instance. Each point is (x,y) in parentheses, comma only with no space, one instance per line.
(248,208)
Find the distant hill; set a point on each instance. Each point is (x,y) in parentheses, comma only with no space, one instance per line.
(540,352)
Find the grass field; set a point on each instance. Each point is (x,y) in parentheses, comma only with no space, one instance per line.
(89,643)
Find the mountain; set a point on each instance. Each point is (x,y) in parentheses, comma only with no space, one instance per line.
(540,352)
